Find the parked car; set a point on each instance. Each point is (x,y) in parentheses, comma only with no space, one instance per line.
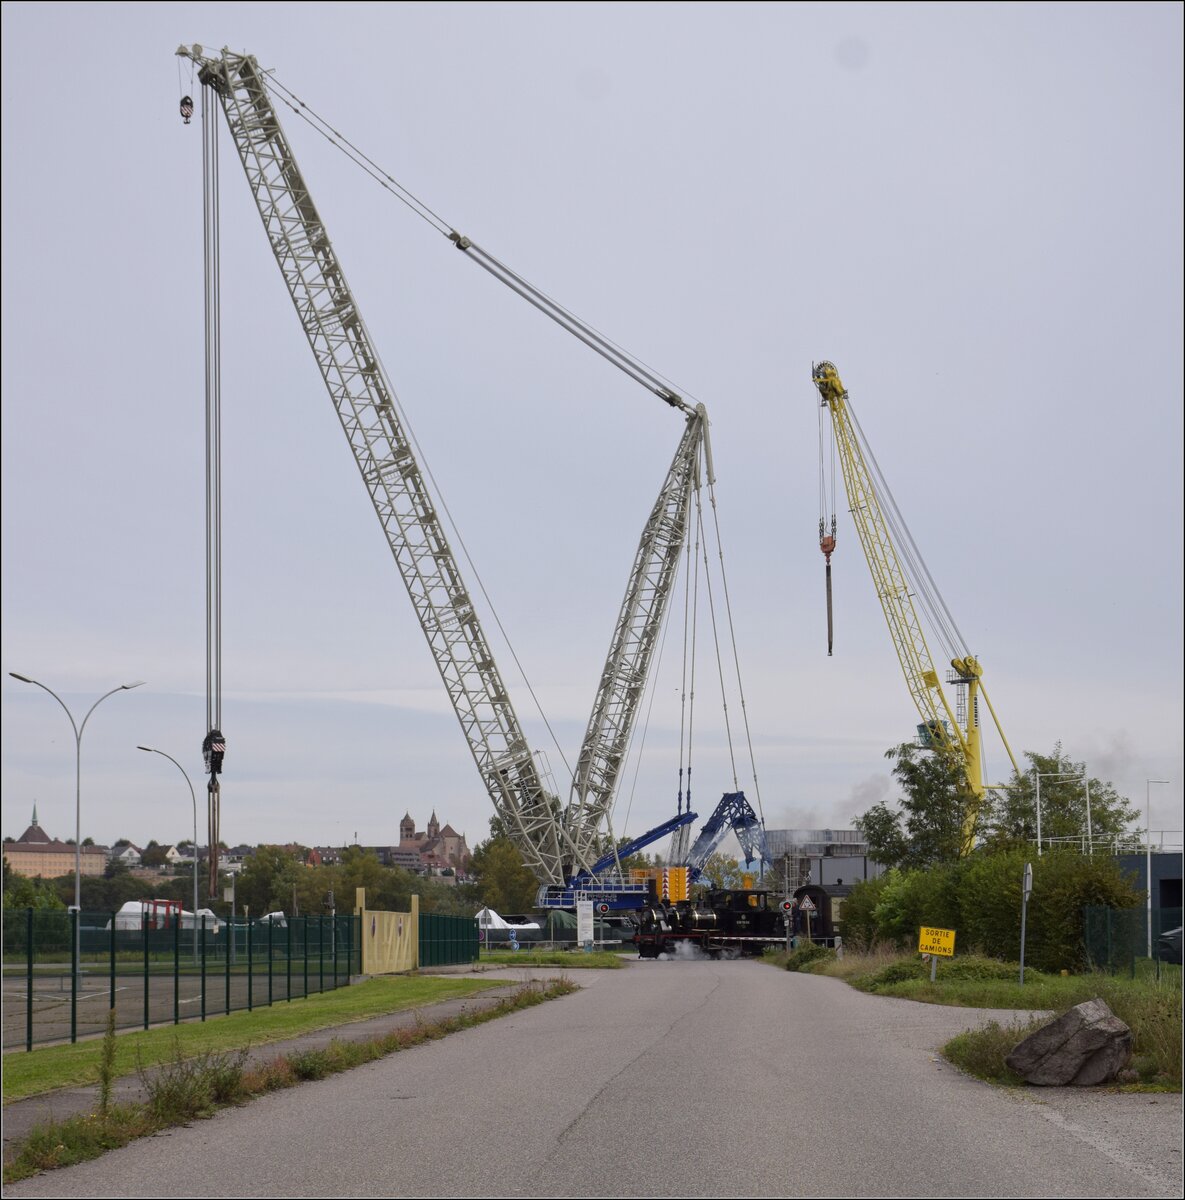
(1168,946)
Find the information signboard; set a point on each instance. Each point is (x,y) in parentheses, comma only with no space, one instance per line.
(584,923)
(936,941)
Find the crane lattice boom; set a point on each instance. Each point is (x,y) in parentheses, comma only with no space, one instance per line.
(634,638)
(363,398)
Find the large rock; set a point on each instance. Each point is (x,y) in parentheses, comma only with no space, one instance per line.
(1089,1045)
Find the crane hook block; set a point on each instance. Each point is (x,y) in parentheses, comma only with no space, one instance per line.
(186,108)
(213,748)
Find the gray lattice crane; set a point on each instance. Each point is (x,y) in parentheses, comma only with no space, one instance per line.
(557,842)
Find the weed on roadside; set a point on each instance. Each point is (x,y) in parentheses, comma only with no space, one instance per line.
(107,1064)
(193,1087)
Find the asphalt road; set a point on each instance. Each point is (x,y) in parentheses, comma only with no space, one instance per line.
(666,1079)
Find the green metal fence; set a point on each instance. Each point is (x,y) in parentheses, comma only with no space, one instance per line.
(1117,937)
(160,969)
(447,940)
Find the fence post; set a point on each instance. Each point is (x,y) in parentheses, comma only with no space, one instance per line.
(144,939)
(111,951)
(226,956)
(321,952)
(177,969)
(29,980)
(271,929)
(203,967)
(250,968)
(333,926)
(288,969)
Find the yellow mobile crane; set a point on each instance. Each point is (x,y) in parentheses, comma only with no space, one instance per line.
(899,573)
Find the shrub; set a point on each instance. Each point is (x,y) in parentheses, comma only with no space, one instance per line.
(860,931)
(802,956)
(194,1087)
(980,898)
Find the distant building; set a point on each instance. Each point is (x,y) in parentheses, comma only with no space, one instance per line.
(35,854)
(126,853)
(432,852)
(824,857)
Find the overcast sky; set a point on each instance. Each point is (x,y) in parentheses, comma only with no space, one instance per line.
(974,210)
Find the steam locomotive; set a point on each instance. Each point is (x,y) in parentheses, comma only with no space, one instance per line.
(733,921)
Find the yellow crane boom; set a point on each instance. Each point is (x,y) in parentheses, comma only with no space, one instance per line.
(954,733)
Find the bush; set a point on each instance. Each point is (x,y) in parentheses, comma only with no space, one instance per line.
(194,1087)
(860,931)
(897,972)
(980,898)
(911,899)
(802,956)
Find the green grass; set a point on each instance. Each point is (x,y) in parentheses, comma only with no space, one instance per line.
(1151,1008)
(568,959)
(43,1070)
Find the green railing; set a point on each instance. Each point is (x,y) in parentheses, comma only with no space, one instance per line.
(445,941)
(161,970)
(1117,937)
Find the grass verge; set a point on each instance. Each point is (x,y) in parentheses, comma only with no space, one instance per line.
(50,1067)
(568,959)
(1151,1008)
(192,1088)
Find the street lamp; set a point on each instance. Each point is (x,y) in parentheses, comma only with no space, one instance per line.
(1067,775)
(1148,852)
(193,797)
(78,729)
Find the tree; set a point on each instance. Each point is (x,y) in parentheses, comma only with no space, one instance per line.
(720,871)
(881,828)
(265,884)
(503,881)
(359,869)
(114,868)
(153,855)
(1012,815)
(22,892)
(928,827)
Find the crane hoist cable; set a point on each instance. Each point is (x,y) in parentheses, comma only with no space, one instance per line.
(736,658)
(632,366)
(826,509)
(621,358)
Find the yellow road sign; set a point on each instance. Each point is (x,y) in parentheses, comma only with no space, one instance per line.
(936,941)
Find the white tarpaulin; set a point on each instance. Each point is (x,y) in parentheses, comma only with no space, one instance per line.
(488,919)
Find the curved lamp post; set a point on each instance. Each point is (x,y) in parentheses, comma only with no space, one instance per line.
(78,729)
(193,797)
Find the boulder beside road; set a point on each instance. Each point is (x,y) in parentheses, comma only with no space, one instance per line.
(1088,1046)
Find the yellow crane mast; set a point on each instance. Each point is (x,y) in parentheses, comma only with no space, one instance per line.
(898,577)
